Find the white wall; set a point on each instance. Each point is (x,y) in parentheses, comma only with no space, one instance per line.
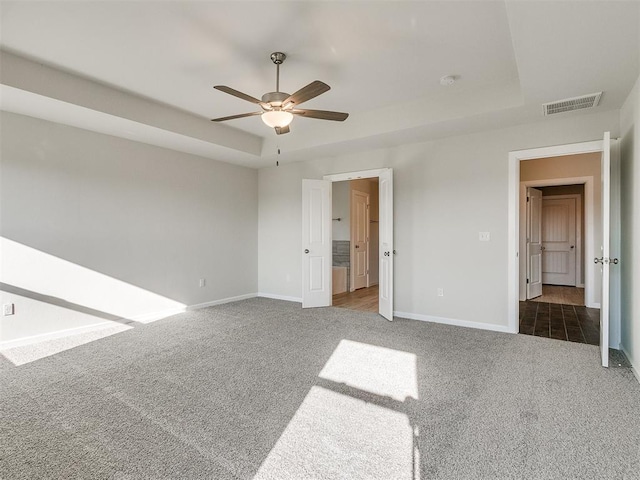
(342,210)
(446,191)
(121,227)
(630,221)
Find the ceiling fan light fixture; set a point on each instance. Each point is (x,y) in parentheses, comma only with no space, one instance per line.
(277,118)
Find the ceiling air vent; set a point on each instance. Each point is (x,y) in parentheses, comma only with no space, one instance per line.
(569,104)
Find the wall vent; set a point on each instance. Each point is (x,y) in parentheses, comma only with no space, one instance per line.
(569,104)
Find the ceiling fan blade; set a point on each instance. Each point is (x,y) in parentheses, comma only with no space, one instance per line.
(232,117)
(307,93)
(321,114)
(282,130)
(236,93)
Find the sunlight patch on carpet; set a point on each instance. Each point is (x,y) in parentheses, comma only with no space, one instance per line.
(29,353)
(373,369)
(337,436)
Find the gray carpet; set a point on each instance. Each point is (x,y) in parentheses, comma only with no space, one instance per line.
(262,389)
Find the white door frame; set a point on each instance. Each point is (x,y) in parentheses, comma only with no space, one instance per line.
(514,218)
(589,231)
(341,177)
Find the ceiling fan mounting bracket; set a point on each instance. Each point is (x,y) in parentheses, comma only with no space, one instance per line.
(278,57)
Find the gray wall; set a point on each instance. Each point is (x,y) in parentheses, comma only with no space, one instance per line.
(630,221)
(341,201)
(130,217)
(446,191)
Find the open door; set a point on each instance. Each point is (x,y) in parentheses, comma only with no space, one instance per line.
(604,260)
(534,243)
(316,243)
(359,240)
(386,251)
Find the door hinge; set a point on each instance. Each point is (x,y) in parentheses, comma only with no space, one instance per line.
(527,280)
(527,199)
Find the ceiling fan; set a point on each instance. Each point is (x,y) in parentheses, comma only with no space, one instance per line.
(278,108)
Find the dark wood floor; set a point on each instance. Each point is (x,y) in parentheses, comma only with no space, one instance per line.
(561,322)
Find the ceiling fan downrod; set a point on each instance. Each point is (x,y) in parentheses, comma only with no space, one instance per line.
(278,58)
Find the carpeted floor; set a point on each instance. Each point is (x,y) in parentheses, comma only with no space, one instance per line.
(262,389)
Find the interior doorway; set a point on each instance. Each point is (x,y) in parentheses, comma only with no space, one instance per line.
(555,237)
(355,244)
(316,255)
(554,244)
(602,283)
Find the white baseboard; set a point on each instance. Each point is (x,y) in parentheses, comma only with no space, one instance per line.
(593,305)
(281,297)
(634,366)
(152,316)
(222,301)
(580,285)
(148,317)
(43,337)
(144,318)
(454,322)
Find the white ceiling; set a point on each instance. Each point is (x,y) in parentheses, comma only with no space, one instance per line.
(383,61)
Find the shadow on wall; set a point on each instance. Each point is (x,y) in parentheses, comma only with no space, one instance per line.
(55,299)
(32,270)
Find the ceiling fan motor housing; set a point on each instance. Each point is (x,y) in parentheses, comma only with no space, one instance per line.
(275,97)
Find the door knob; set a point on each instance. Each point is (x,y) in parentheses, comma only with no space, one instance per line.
(572,246)
(306,250)
(357,246)
(598,260)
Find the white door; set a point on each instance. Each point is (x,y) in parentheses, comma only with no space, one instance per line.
(604,259)
(316,243)
(359,240)
(385,187)
(559,241)
(534,242)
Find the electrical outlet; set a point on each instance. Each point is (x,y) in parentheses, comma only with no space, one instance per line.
(8,309)
(484,236)
(203,282)
(441,292)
